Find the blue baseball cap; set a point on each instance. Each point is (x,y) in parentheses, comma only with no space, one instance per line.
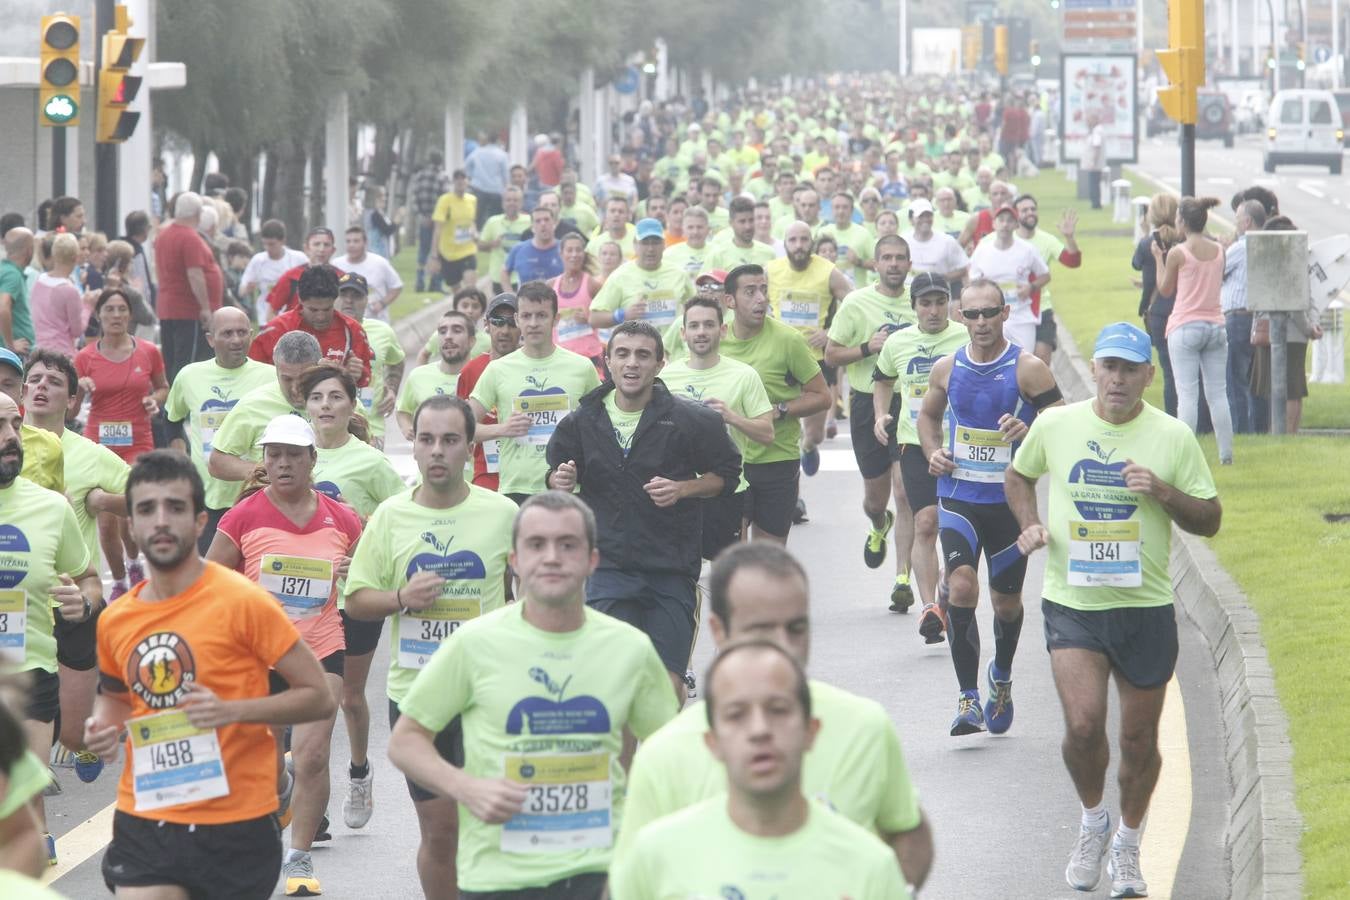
(650,228)
(9,357)
(1122,340)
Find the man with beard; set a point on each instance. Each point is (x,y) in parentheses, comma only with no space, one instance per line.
(457,332)
(504,338)
(1050,248)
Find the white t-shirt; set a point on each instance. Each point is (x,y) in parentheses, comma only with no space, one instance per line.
(264,271)
(379,274)
(939,254)
(1010,269)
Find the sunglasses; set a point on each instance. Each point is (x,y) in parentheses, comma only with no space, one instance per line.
(987,312)
(502,321)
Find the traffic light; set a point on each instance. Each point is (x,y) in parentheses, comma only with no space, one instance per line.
(59,70)
(1035,54)
(1183,60)
(116,86)
(1001,49)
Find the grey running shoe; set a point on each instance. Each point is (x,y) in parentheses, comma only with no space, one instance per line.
(1085,864)
(1123,870)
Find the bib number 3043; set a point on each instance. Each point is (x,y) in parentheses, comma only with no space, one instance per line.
(174,762)
(567,804)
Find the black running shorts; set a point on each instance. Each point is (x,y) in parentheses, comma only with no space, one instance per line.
(874,460)
(1139,641)
(449,743)
(236,859)
(966,528)
(771,500)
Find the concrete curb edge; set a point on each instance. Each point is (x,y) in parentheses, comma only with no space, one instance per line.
(1264,824)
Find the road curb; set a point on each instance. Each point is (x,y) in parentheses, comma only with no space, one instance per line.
(1264,824)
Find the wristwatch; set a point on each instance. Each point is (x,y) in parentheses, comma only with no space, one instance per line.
(781,412)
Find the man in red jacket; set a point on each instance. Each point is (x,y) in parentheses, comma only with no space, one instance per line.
(319,247)
(341,338)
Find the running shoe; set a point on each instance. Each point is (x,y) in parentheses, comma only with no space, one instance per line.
(118,589)
(998,709)
(88,766)
(969,717)
(811,461)
(930,624)
(690,684)
(874,550)
(831,430)
(902,597)
(135,572)
(300,880)
(51,848)
(799,514)
(322,833)
(53,787)
(1085,863)
(360,803)
(1123,870)
(61,758)
(284,810)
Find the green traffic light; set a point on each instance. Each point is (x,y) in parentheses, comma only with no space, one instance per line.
(60,109)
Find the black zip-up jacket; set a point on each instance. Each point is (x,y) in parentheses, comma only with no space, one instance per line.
(676,439)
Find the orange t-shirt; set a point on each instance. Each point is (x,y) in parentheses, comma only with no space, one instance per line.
(223,632)
(297,566)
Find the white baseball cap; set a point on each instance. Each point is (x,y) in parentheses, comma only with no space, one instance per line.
(288,429)
(919,207)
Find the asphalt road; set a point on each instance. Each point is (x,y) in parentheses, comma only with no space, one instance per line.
(1003,809)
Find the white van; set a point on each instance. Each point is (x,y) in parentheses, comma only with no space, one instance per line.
(1304,127)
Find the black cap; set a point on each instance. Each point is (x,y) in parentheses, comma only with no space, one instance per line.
(504,299)
(354,281)
(928,283)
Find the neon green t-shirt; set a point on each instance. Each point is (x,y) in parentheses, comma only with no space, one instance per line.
(624,422)
(727,256)
(860,315)
(358,475)
(201,397)
(862,243)
(951,225)
(546,709)
(906,358)
(582,216)
(545,389)
(239,434)
(509,231)
(89,466)
(1049,247)
(39,540)
(388,352)
(693,260)
(423,382)
(777,352)
(42,462)
(1109,547)
(466,544)
(734,383)
(855,767)
(664,290)
(27,778)
(625,243)
(699,852)
(17,886)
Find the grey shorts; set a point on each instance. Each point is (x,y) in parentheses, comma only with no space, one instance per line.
(1139,642)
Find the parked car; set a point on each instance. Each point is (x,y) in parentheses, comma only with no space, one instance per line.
(1304,127)
(1213,117)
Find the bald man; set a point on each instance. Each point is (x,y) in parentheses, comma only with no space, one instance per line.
(16,324)
(202,395)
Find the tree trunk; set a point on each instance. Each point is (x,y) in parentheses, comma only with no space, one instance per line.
(269,185)
(382,166)
(199,153)
(319,188)
(288,202)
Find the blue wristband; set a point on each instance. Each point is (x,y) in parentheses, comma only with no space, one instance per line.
(618,315)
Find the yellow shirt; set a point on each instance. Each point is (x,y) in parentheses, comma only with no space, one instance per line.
(42,462)
(801,299)
(456,215)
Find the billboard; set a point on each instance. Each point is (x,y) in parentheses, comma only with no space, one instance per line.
(936,51)
(1100,84)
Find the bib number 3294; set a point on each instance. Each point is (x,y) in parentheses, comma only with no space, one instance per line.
(174,762)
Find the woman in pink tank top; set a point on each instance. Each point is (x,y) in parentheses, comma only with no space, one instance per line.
(1197,340)
(575,287)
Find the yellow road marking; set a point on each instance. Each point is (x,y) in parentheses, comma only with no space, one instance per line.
(81,842)
(1169,817)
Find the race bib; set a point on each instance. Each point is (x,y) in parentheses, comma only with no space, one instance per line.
(570,329)
(463,234)
(1104,554)
(914,401)
(492,462)
(980,455)
(173,762)
(114,434)
(421,632)
(660,309)
(13,626)
(367,398)
(567,804)
(799,311)
(545,412)
(302,584)
(208,424)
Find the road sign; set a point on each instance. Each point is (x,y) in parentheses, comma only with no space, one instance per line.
(627,82)
(1321,53)
(1099,26)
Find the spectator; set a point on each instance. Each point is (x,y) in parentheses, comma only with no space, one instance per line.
(190,286)
(1196,339)
(55,302)
(379,228)
(547,164)
(1251,215)
(428,184)
(66,214)
(1302,326)
(382,281)
(16,322)
(489,171)
(1154,307)
(1093,158)
(117,274)
(137,235)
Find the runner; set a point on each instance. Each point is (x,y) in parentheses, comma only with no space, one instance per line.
(575,287)
(454,256)
(1018,270)
(905,361)
(649,287)
(341,337)
(1108,601)
(42,463)
(266,267)
(386,367)
(1051,248)
(760,728)
(866,318)
(691,254)
(732,390)
(934,251)
(295,543)
(736,246)
(540,384)
(185,656)
(405,567)
(855,242)
(23,857)
(502,232)
(991,389)
(546,688)
(95,484)
(537,258)
(856,766)
(796,387)
(642,459)
(804,291)
(457,332)
(284,295)
(234,447)
(505,338)
(48,577)
(203,395)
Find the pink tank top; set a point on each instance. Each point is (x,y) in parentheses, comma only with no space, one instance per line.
(579,337)
(1198,284)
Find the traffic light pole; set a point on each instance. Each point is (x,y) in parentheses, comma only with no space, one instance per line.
(105,155)
(1187,160)
(58,163)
